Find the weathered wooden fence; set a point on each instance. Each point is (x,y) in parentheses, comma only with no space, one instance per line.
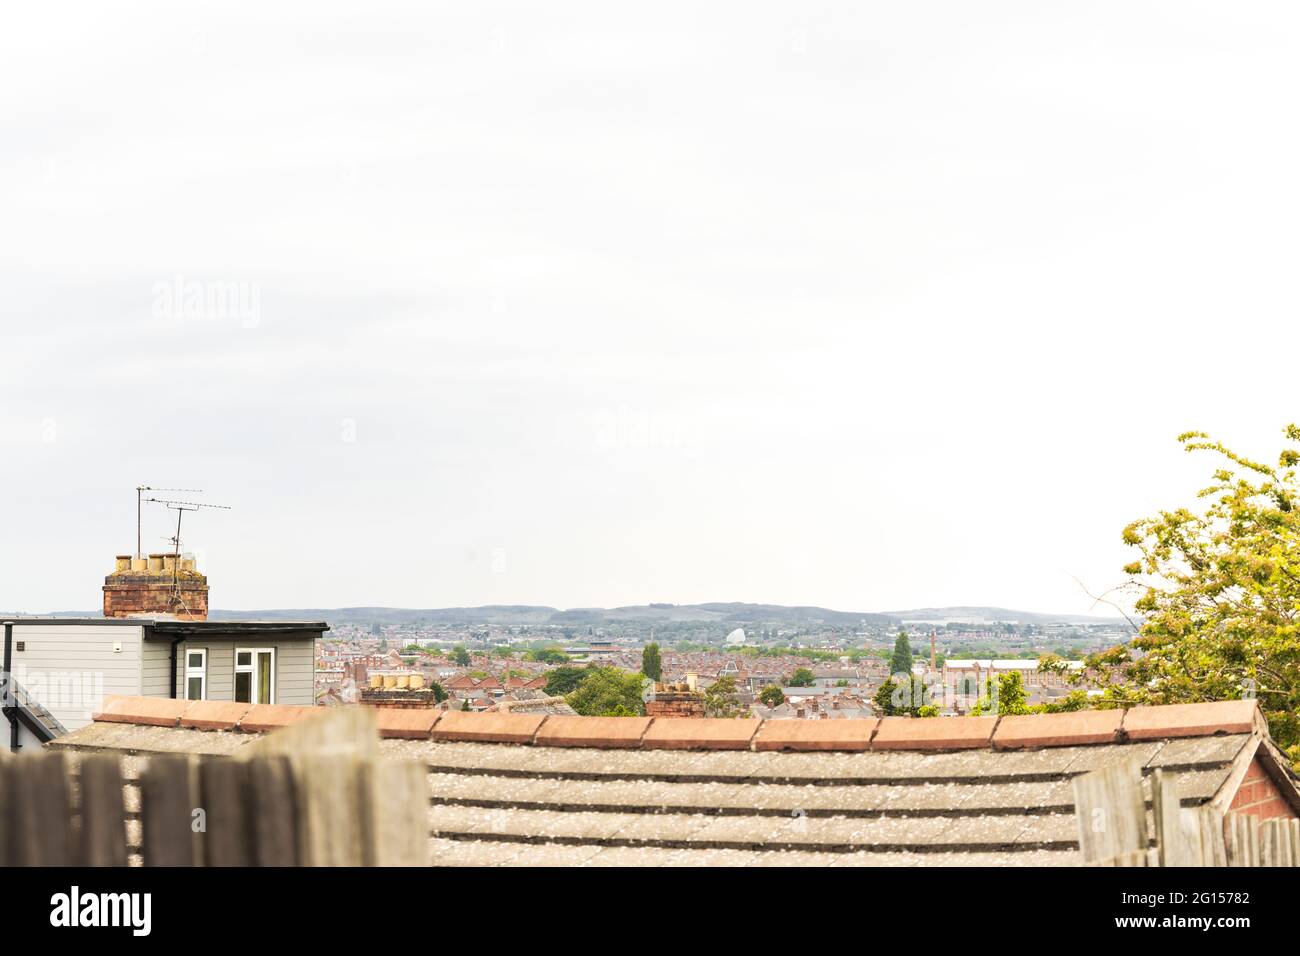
(1115,828)
(312,795)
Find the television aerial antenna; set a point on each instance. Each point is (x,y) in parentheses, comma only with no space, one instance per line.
(139,493)
(180,507)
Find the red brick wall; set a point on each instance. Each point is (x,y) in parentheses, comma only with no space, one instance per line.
(124,597)
(675,705)
(1260,797)
(405,699)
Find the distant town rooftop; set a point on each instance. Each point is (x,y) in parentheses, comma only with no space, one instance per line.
(1009,664)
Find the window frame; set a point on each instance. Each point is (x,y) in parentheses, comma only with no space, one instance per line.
(251,669)
(200,672)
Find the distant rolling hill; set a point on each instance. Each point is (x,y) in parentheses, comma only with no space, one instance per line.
(737,613)
(506,614)
(991,615)
(723,612)
(487,614)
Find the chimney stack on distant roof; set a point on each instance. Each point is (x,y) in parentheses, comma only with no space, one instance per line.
(161,585)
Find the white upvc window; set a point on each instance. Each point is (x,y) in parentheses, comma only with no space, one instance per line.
(196,673)
(255,675)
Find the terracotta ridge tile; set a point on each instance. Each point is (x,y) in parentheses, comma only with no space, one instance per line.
(1073,728)
(265,717)
(567,730)
(407,723)
(150,711)
(815,735)
(1005,732)
(214,714)
(1204,719)
(506,728)
(700,733)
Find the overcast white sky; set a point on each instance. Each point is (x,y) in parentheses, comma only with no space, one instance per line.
(864,305)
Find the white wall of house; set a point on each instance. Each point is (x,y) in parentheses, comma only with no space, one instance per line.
(295,667)
(70,668)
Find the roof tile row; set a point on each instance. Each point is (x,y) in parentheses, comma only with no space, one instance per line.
(686,733)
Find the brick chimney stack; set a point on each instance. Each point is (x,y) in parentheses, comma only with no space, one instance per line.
(156,586)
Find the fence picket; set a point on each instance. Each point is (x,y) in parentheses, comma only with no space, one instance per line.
(1110,811)
(227,837)
(103,812)
(331,808)
(166,812)
(41,811)
(273,812)
(396,814)
(7,810)
(1203,826)
(1241,835)
(1274,843)
(1173,847)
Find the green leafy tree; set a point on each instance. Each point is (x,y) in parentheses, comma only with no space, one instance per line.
(564,680)
(884,699)
(771,696)
(439,692)
(1005,696)
(547,655)
(1075,700)
(722,700)
(651,664)
(1218,589)
(608,692)
(802,677)
(901,662)
(903,698)
(460,656)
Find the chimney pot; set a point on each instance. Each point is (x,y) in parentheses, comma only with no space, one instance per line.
(152,591)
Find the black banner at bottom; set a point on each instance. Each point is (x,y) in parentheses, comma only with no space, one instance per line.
(340,906)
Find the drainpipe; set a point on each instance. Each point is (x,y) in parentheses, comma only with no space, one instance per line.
(10,710)
(175,641)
